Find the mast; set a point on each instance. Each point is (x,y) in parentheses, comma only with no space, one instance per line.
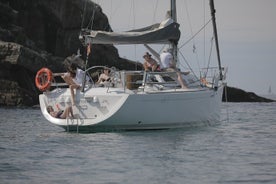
(174,17)
(173,10)
(213,11)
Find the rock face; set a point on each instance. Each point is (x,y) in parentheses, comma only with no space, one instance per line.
(42,33)
(232,94)
(39,33)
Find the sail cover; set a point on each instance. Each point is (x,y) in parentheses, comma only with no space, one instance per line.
(157,33)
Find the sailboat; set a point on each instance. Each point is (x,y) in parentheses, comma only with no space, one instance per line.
(138,100)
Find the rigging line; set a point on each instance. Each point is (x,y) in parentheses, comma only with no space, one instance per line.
(111,7)
(204,32)
(110,14)
(116,8)
(209,59)
(133,12)
(187,64)
(92,17)
(190,24)
(134,25)
(83,14)
(195,34)
(155,10)
(226,100)
(162,48)
(188,16)
(131,23)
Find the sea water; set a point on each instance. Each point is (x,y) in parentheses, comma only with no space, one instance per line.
(240,149)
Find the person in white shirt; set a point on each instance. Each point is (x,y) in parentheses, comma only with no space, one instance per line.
(166,60)
(168,64)
(74,78)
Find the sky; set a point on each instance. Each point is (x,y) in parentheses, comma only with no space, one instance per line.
(246,31)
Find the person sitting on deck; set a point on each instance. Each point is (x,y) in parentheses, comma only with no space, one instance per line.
(169,65)
(62,114)
(105,76)
(150,63)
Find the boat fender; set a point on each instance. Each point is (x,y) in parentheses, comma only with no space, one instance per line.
(43,79)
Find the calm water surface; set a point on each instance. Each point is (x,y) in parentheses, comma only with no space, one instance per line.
(241,149)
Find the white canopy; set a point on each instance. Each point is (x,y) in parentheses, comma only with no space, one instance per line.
(165,32)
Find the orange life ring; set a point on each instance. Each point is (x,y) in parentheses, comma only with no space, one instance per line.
(43,79)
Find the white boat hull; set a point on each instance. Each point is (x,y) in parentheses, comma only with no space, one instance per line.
(103,109)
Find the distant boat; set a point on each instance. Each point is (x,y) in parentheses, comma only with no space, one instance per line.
(140,100)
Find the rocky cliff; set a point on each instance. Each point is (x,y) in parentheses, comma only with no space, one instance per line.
(232,94)
(38,33)
(42,33)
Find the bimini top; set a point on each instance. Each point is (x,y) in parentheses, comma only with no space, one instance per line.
(165,32)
